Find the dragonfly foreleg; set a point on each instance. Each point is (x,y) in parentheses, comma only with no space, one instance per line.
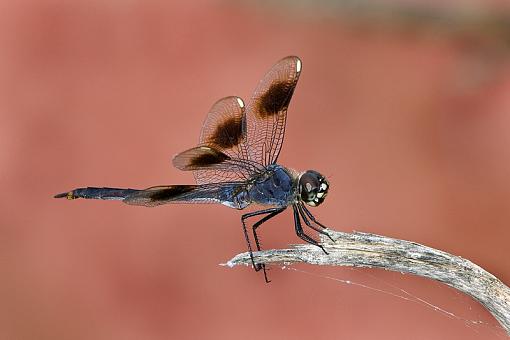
(302,210)
(301,234)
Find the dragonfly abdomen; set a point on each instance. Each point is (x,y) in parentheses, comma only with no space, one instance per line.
(98,193)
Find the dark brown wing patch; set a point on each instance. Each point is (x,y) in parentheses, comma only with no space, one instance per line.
(275,99)
(266,113)
(224,126)
(228,134)
(222,153)
(159,195)
(170,192)
(201,157)
(208,158)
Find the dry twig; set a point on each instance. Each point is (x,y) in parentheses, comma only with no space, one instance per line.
(374,251)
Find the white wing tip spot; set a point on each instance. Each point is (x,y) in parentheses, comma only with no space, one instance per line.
(240,102)
(298,66)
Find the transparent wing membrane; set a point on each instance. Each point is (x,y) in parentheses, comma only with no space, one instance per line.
(266,113)
(235,143)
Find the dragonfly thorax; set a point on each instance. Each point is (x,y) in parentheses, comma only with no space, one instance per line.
(275,186)
(313,188)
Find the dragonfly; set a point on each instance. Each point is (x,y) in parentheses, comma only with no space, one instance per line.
(235,163)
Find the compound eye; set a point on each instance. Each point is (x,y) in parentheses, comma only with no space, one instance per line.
(323,190)
(309,186)
(313,188)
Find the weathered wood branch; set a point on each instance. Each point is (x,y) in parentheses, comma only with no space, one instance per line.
(374,251)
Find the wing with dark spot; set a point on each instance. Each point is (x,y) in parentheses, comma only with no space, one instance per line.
(236,144)
(168,193)
(161,195)
(222,153)
(200,158)
(266,114)
(222,193)
(211,165)
(223,128)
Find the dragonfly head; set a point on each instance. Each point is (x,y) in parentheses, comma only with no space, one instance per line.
(313,188)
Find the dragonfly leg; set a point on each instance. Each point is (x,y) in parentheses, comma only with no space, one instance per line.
(270,214)
(255,236)
(302,212)
(301,234)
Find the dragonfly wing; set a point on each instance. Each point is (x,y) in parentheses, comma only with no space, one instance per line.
(266,113)
(224,128)
(235,144)
(222,154)
(223,193)
(211,165)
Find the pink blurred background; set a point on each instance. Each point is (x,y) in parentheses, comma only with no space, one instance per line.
(409,119)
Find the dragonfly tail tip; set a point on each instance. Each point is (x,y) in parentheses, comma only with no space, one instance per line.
(68,195)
